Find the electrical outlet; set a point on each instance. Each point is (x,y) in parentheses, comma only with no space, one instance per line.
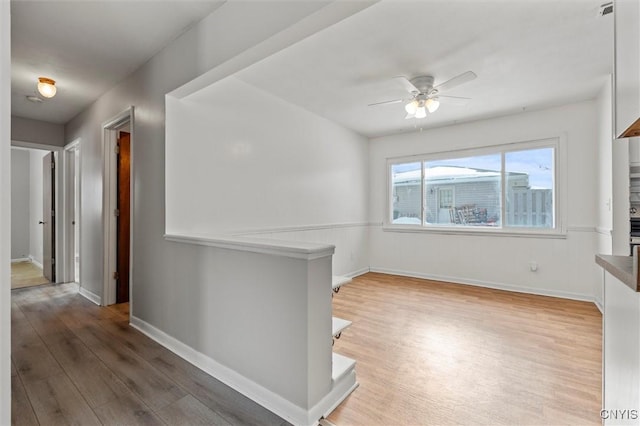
(533,266)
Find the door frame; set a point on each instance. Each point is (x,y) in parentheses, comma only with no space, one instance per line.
(69,206)
(110,130)
(61,261)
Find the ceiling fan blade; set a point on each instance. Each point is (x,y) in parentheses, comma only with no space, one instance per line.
(453,100)
(395,101)
(456,81)
(452,97)
(407,85)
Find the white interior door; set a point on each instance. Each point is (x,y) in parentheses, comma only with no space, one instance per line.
(76,214)
(48,217)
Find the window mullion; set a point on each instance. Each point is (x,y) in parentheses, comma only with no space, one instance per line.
(423,188)
(503,192)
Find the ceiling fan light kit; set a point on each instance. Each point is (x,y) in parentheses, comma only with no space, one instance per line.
(47,87)
(425,97)
(411,107)
(418,107)
(432,104)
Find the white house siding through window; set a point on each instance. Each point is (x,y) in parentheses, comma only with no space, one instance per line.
(513,186)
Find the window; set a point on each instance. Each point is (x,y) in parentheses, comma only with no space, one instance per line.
(505,188)
(407,200)
(529,182)
(476,184)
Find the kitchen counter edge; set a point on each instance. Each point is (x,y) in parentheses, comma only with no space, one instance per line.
(623,268)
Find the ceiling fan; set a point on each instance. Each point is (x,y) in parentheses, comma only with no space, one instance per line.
(425,96)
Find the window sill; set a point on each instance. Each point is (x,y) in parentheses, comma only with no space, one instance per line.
(471,231)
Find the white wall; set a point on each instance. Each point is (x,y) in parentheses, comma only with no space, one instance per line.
(605,168)
(273,317)
(36,131)
(20,166)
(194,53)
(170,279)
(172,282)
(286,169)
(606,201)
(5,212)
(621,349)
(566,266)
(35,204)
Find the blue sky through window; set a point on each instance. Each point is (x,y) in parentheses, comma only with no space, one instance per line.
(537,163)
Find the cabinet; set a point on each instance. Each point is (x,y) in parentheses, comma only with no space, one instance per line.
(621,347)
(626,66)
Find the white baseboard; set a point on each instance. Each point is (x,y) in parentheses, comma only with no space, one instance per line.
(91,296)
(488,284)
(599,305)
(35,262)
(261,395)
(22,259)
(339,393)
(357,273)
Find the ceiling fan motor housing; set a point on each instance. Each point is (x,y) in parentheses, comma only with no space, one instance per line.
(423,83)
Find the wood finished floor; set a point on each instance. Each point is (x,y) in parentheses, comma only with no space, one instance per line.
(26,274)
(76,363)
(427,354)
(432,353)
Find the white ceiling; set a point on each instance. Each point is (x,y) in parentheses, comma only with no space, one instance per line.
(527,54)
(88,46)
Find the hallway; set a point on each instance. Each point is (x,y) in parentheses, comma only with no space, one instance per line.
(77,363)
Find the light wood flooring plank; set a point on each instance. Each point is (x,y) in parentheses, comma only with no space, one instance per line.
(121,309)
(437,353)
(56,401)
(230,404)
(32,359)
(127,409)
(120,329)
(44,319)
(98,385)
(122,376)
(233,406)
(17,316)
(21,411)
(153,387)
(26,274)
(189,411)
(426,352)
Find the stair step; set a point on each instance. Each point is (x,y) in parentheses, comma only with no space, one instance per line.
(338,325)
(341,366)
(338,280)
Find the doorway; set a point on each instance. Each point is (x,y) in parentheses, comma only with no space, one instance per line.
(34,246)
(48,221)
(118,145)
(71,212)
(123,216)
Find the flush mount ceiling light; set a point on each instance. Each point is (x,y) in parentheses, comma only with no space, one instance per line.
(34,99)
(47,87)
(425,97)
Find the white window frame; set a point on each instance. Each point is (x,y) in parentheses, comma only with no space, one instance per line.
(558,143)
